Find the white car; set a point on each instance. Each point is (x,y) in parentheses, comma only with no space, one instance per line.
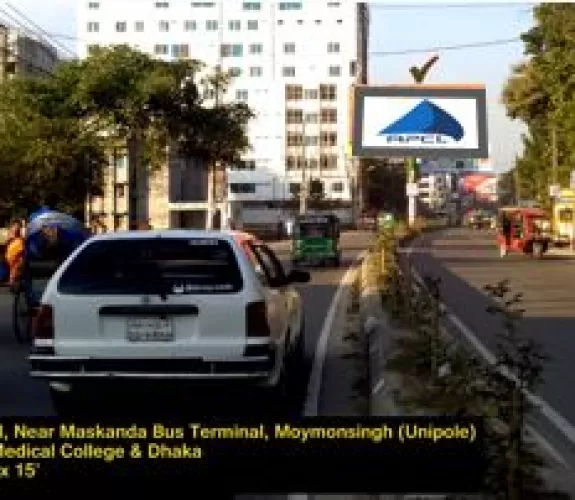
(177,305)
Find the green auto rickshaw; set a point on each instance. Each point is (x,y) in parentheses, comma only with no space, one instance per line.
(315,240)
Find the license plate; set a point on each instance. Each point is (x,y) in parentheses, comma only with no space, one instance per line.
(149,330)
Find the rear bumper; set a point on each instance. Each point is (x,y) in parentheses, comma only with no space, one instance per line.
(255,369)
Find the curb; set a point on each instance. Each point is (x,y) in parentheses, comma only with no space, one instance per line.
(380,334)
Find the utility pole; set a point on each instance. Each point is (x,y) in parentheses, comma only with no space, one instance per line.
(304,183)
(554,154)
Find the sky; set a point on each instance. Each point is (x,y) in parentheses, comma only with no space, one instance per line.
(397,27)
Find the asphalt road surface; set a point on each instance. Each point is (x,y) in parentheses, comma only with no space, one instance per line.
(467,260)
(22,396)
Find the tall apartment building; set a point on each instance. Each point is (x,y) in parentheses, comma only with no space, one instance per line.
(24,54)
(295,63)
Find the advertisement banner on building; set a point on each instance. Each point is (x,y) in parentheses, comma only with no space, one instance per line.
(479,186)
(422,121)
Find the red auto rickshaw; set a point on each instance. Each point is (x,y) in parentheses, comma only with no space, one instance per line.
(524,230)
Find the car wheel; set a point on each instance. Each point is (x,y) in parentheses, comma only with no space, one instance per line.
(21,318)
(65,403)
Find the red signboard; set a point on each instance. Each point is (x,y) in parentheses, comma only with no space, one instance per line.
(481,186)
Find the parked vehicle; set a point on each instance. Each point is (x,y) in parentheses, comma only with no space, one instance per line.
(173,306)
(316,240)
(524,230)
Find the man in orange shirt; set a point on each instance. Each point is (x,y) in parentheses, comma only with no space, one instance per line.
(15,252)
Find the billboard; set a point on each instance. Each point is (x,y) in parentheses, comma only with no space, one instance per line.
(423,121)
(480,186)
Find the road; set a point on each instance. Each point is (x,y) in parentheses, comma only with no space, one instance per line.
(22,396)
(468,260)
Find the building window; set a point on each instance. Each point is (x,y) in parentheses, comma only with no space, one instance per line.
(289,48)
(93,5)
(329,139)
(235,72)
(235,50)
(93,27)
(121,26)
(246,165)
(352,68)
(333,4)
(328,161)
(311,94)
(256,48)
(139,26)
(335,71)
(203,4)
(300,21)
(294,139)
(290,162)
(312,163)
(242,95)
(294,92)
(164,26)
(211,25)
(120,191)
(92,49)
(288,71)
(162,5)
(161,50)
(181,51)
(311,140)
(318,21)
(339,21)
(337,187)
(252,6)
(328,92)
(311,118)
(234,25)
(294,116)
(256,71)
(328,115)
(252,25)
(290,6)
(190,25)
(242,187)
(294,188)
(280,22)
(333,47)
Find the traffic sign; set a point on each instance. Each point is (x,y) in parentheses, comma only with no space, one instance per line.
(412,189)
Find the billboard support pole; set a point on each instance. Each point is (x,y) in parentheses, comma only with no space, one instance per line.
(418,75)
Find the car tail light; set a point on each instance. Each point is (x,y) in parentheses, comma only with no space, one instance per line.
(43,323)
(257,320)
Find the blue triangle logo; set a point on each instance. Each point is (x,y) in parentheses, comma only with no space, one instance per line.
(426,118)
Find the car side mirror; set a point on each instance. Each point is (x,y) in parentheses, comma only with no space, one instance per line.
(298,276)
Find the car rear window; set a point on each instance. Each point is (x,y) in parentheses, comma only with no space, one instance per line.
(165,266)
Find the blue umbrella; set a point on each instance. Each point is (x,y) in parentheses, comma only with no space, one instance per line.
(71,232)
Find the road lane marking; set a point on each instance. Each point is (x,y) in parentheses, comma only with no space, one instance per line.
(552,415)
(315,379)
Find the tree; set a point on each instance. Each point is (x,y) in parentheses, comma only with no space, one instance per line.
(540,92)
(56,132)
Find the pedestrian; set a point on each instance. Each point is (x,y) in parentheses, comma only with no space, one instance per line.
(14,255)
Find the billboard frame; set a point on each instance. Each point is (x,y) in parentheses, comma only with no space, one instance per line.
(474,91)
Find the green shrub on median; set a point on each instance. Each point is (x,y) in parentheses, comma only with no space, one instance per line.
(441,377)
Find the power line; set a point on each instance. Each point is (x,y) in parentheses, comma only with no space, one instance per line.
(410,6)
(447,47)
(39,28)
